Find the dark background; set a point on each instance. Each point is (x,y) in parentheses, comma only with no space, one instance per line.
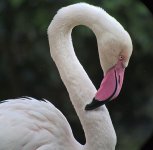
(26,68)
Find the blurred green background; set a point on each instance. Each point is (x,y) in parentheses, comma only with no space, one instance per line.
(26,68)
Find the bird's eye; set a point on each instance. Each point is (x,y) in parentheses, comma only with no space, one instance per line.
(121,57)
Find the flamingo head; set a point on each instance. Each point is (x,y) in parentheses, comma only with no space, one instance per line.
(114,53)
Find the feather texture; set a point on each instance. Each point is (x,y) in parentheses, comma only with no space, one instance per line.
(30,124)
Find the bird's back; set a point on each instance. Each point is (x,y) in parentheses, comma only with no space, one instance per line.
(29,124)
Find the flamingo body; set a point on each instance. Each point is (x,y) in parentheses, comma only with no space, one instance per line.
(31,124)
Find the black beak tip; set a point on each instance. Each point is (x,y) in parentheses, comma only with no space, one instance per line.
(94,104)
(88,107)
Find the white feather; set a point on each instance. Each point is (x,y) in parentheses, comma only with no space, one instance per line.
(29,124)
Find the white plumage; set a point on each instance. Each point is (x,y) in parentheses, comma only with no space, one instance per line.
(30,124)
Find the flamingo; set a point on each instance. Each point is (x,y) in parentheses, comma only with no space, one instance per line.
(30,124)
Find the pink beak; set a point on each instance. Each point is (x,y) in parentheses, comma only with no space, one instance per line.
(110,86)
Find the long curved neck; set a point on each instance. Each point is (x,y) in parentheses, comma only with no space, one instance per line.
(97,125)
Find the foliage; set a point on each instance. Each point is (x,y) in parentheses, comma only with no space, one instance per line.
(27,69)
